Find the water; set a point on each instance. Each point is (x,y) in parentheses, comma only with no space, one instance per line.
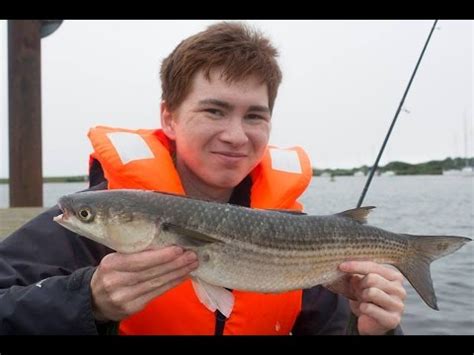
(417,205)
(51,192)
(409,204)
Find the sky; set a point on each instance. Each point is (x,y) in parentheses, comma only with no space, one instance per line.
(342,83)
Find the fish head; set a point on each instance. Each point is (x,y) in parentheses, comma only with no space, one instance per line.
(106,219)
(82,216)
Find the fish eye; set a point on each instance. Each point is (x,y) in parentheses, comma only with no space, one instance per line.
(85,215)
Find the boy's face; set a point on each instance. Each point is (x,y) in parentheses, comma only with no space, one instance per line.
(221,129)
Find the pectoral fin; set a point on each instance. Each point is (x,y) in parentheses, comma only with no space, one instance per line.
(214,297)
(189,237)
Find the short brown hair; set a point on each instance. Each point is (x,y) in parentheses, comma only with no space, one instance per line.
(238,49)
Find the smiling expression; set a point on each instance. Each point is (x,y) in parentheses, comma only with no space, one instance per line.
(220,129)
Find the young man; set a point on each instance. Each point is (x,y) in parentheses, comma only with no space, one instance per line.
(219,88)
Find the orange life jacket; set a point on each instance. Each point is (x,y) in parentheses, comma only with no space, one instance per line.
(141,159)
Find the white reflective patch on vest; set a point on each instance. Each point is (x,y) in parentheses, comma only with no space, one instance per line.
(285,160)
(130,146)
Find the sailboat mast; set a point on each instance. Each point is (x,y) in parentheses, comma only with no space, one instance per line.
(466,138)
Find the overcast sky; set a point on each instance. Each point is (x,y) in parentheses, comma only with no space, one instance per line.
(342,83)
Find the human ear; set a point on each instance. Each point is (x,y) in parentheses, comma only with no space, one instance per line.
(167,121)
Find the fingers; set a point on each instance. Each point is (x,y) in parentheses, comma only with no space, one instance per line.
(375,288)
(381,298)
(119,290)
(372,319)
(139,303)
(371,275)
(129,300)
(115,274)
(114,299)
(124,304)
(394,288)
(142,260)
(381,320)
(367,267)
(379,295)
(137,283)
(153,273)
(164,279)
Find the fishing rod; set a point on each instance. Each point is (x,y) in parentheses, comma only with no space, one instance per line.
(374,167)
(352,326)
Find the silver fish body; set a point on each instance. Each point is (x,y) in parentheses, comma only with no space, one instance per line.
(250,249)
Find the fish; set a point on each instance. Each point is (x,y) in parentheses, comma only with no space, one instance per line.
(248,249)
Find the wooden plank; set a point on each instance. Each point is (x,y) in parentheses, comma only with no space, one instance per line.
(13,218)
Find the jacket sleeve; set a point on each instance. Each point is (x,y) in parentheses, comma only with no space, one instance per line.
(325,313)
(45,273)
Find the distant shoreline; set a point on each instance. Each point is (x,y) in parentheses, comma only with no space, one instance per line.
(58,179)
(432,167)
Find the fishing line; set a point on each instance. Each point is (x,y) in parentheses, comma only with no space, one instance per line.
(352,325)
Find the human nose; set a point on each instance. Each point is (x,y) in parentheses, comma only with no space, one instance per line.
(234,132)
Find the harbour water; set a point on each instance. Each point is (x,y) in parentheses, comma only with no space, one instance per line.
(426,205)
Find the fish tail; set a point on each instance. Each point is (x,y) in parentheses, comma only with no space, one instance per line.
(423,250)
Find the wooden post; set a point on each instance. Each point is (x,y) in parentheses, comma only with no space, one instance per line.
(24,100)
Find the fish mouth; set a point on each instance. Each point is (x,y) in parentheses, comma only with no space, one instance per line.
(63,216)
(59,218)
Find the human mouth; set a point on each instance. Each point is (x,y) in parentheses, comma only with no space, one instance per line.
(230,157)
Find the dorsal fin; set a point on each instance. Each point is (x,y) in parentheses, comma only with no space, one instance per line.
(357,214)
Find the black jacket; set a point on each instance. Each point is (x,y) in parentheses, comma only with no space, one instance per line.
(45,274)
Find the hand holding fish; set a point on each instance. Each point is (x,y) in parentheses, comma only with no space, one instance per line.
(379,294)
(124,283)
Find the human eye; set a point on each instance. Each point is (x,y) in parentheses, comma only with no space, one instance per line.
(214,112)
(255,117)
